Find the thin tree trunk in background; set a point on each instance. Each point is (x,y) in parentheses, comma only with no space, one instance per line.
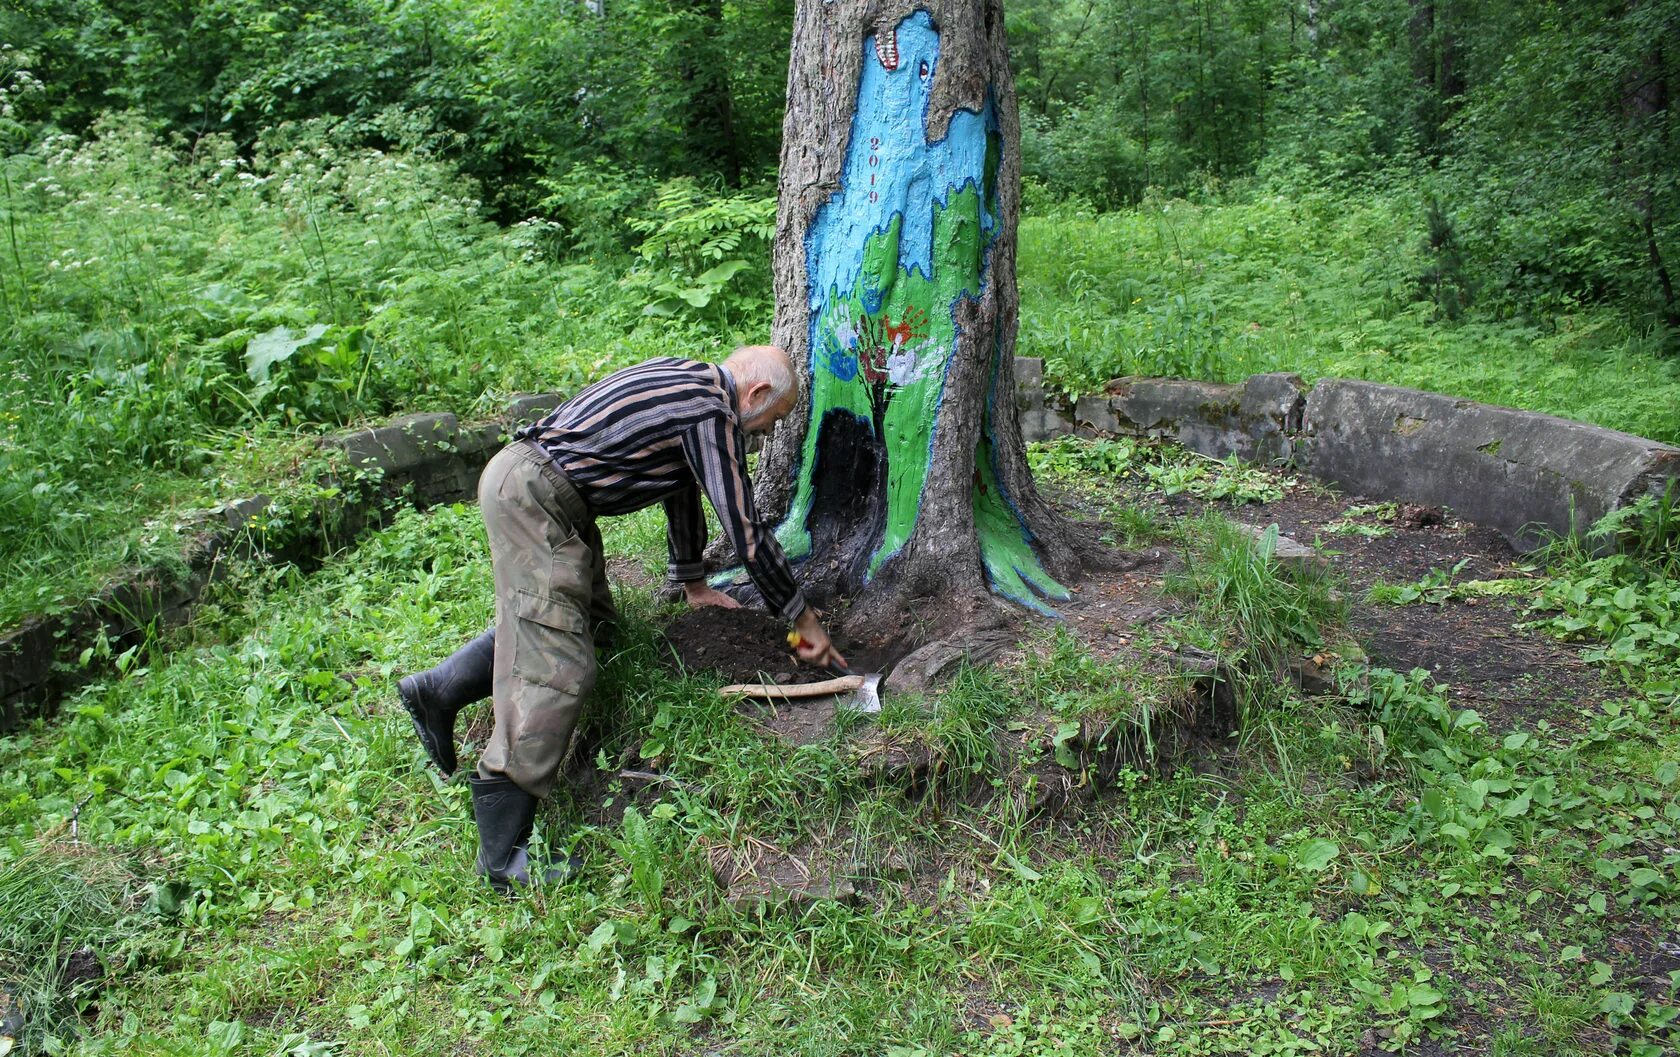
(1449,81)
(1665,285)
(709,127)
(1264,89)
(1645,98)
(1420,27)
(1203,110)
(1433,53)
(1141,55)
(1079,34)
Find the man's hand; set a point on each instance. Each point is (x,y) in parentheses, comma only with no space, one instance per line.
(814,645)
(699,593)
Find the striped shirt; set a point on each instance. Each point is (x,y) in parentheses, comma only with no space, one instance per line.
(661,432)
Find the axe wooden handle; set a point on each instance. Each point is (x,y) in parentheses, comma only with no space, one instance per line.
(792,690)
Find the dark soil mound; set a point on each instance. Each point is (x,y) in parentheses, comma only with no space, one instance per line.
(750,646)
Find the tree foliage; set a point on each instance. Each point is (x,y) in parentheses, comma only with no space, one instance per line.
(516,92)
(1536,140)
(1539,138)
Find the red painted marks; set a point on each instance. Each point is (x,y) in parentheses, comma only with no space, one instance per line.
(879,338)
(912,325)
(886,47)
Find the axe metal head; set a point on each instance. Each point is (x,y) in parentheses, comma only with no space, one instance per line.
(866,698)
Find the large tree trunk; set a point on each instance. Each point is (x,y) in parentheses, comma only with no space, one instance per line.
(903,474)
(1433,32)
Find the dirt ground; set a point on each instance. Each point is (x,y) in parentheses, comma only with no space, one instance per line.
(1510,675)
(749,646)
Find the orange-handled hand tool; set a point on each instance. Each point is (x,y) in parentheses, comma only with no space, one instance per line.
(796,640)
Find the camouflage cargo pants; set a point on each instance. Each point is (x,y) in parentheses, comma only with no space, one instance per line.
(545,554)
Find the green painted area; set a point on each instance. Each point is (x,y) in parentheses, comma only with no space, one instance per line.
(1011,564)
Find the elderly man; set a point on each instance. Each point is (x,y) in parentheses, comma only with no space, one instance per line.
(664,431)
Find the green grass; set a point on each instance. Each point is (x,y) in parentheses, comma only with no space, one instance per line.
(269,865)
(179,327)
(1321,285)
(1251,612)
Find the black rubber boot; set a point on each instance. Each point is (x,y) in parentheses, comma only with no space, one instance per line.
(504,813)
(434,698)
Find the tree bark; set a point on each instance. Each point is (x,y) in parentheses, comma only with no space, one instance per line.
(902,475)
(1435,70)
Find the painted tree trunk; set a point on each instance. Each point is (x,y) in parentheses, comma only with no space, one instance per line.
(904,470)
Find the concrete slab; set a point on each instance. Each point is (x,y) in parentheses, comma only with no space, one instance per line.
(1526,474)
(1255,420)
(403,446)
(526,408)
(1094,413)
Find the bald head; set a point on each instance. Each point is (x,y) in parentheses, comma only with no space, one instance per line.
(766,385)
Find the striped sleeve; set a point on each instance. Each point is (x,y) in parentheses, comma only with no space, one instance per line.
(717,454)
(685,535)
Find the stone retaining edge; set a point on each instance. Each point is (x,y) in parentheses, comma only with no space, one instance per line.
(422,460)
(1528,475)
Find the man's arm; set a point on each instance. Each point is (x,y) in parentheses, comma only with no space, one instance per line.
(685,536)
(716,453)
(685,540)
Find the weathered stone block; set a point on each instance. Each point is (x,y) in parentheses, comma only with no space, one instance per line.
(1056,424)
(1032,425)
(1094,413)
(402,447)
(479,442)
(1288,552)
(525,408)
(1167,407)
(1271,408)
(26,658)
(238,513)
(1029,374)
(1523,473)
(1256,420)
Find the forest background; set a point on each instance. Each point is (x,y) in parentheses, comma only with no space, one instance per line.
(230,224)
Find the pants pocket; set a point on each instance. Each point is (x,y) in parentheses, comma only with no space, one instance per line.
(551,643)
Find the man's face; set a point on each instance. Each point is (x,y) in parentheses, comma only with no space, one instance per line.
(761,419)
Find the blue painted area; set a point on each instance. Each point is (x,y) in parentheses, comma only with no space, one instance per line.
(837,357)
(911,175)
